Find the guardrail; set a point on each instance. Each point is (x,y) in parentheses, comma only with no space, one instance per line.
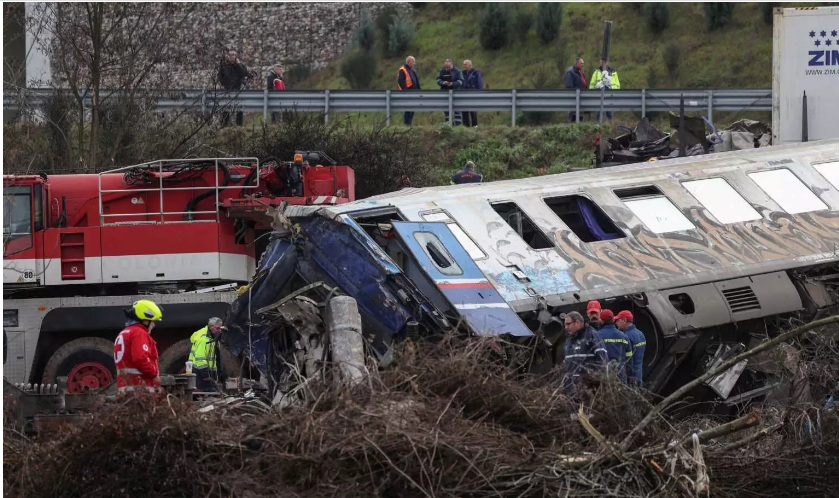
(391,101)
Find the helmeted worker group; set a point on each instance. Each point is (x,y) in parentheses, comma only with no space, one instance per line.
(608,342)
(136,356)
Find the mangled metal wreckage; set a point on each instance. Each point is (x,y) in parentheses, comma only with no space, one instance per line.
(707,252)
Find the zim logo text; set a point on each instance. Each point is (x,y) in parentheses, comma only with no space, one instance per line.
(824,58)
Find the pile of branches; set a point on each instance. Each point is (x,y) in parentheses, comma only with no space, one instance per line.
(449,419)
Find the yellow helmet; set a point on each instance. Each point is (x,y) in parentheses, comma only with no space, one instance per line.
(145,309)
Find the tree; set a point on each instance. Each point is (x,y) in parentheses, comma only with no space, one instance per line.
(496,23)
(401,34)
(114,55)
(548,21)
(658,16)
(365,34)
(718,14)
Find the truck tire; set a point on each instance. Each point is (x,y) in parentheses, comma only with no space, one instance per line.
(173,360)
(88,364)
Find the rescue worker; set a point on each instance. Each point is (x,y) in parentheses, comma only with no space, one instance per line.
(584,353)
(604,77)
(135,352)
(450,78)
(593,312)
(638,342)
(204,355)
(407,79)
(467,175)
(618,350)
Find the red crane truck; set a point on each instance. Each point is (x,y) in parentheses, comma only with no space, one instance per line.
(79,248)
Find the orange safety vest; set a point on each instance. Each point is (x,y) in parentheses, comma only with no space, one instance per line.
(408,81)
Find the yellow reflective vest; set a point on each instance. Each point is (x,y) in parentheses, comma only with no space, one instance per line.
(598,75)
(203,352)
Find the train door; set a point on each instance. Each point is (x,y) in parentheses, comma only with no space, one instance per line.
(446,263)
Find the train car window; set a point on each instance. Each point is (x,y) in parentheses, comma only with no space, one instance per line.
(472,249)
(440,257)
(788,191)
(721,200)
(522,224)
(830,171)
(585,218)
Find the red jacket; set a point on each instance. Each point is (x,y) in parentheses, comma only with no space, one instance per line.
(135,356)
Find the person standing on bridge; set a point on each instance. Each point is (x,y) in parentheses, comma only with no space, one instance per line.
(204,355)
(406,80)
(135,352)
(623,321)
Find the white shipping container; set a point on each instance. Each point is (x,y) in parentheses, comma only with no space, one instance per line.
(805,58)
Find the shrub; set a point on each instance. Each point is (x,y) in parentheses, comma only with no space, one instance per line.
(401,34)
(768,11)
(672,55)
(297,74)
(658,16)
(496,22)
(548,21)
(524,20)
(359,69)
(365,34)
(718,14)
(384,20)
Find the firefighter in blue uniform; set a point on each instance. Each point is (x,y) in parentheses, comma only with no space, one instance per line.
(638,342)
(617,345)
(467,175)
(584,353)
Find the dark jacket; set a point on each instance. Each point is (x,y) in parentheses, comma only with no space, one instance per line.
(455,76)
(584,353)
(575,79)
(232,76)
(639,344)
(402,82)
(272,76)
(618,349)
(472,80)
(467,176)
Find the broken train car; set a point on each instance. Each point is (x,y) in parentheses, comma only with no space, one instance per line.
(709,253)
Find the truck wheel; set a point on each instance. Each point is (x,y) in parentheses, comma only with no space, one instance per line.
(173,360)
(88,364)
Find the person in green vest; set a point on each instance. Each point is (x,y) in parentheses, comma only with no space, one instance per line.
(605,78)
(204,355)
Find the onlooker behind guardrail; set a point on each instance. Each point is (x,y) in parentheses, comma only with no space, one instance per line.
(604,78)
(575,78)
(407,79)
(276,83)
(450,78)
(472,80)
(232,76)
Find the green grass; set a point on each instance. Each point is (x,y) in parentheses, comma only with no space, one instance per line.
(736,56)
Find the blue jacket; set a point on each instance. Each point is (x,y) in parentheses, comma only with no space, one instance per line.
(466,176)
(472,80)
(573,79)
(584,353)
(639,344)
(618,349)
(455,76)
(401,81)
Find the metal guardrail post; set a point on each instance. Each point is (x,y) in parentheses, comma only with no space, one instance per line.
(451,106)
(643,103)
(326,107)
(710,106)
(514,108)
(578,105)
(387,107)
(265,107)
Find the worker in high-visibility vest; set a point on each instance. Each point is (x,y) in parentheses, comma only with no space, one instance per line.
(605,77)
(135,352)
(407,79)
(204,355)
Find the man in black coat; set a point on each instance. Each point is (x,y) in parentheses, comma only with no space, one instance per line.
(450,78)
(232,76)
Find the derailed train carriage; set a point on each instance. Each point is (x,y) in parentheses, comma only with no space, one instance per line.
(709,253)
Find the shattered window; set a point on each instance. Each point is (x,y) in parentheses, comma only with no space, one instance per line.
(585,218)
(437,253)
(721,200)
(471,248)
(522,224)
(830,171)
(788,191)
(654,209)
